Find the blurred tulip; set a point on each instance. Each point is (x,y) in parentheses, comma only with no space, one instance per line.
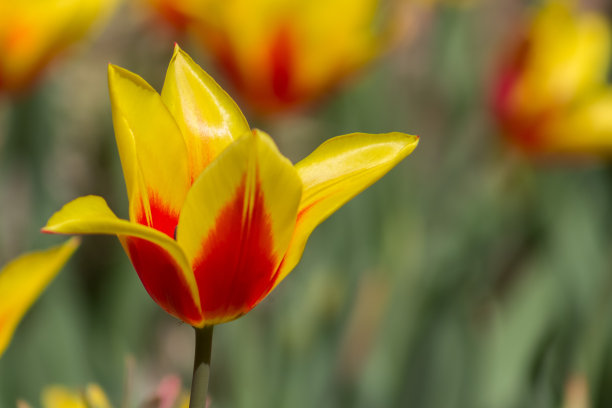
(552,95)
(57,396)
(61,397)
(34,32)
(23,280)
(93,396)
(282,53)
(218,217)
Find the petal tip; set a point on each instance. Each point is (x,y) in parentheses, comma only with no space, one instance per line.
(178,54)
(176,51)
(409,140)
(113,72)
(111,68)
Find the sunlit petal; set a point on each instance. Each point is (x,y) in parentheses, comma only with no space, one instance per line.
(337,171)
(209,119)
(152,151)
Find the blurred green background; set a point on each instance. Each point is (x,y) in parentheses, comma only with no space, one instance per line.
(469,276)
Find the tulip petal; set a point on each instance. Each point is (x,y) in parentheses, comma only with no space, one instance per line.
(160,263)
(337,171)
(61,397)
(152,151)
(23,280)
(96,397)
(208,117)
(587,128)
(57,396)
(236,225)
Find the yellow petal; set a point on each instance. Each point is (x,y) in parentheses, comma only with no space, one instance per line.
(209,119)
(586,128)
(152,151)
(96,398)
(23,280)
(91,215)
(337,171)
(236,225)
(61,397)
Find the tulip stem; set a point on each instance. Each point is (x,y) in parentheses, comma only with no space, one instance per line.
(201,367)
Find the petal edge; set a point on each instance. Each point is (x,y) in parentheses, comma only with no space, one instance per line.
(337,171)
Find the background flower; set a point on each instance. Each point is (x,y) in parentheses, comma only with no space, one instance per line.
(282,53)
(32,33)
(553,94)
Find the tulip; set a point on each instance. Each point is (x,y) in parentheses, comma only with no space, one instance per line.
(218,217)
(552,96)
(283,53)
(34,32)
(23,280)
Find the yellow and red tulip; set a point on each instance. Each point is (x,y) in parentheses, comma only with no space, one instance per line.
(282,53)
(552,95)
(22,281)
(218,217)
(34,32)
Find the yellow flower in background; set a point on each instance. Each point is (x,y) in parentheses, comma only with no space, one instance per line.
(218,216)
(57,396)
(61,397)
(34,32)
(552,95)
(281,53)
(167,394)
(23,280)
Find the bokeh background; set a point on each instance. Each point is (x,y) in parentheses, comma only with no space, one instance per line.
(472,275)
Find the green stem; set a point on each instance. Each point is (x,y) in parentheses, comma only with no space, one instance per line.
(201,367)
